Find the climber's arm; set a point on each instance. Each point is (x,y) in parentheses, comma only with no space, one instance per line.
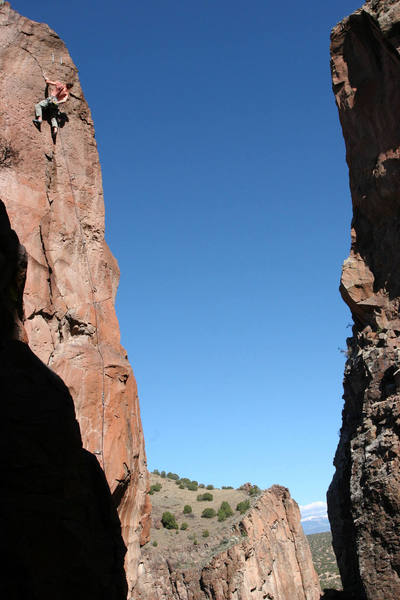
(63,100)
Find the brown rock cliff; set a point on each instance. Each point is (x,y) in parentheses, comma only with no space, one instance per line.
(364,497)
(53,194)
(60,532)
(266,556)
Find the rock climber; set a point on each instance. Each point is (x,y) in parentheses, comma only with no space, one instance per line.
(58,94)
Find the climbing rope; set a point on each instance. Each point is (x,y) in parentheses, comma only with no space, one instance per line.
(94,302)
(34,58)
(92,286)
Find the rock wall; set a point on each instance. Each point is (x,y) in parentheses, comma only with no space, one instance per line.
(364,497)
(60,532)
(53,194)
(265,556)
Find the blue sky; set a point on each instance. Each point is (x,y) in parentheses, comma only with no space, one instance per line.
(227,207)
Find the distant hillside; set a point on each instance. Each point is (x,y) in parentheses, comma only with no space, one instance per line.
(314,517)
(172,496)
(324,560)
(223,543)
(315,525)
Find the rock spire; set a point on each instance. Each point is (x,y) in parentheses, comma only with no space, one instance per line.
(364,497)
(53,194)
(60,532)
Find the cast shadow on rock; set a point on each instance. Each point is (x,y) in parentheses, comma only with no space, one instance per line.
(59,523)
(60,531)
(331,594)
(61,117)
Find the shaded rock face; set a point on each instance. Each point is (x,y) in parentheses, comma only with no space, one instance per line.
(13,263)
(60,532)
(364,497)
(266,556)
(53,194)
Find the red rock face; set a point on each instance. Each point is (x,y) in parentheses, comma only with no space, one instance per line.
(266,556)
(53,194)
(60,533)
(364,497)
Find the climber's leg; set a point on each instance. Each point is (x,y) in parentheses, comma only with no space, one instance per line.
(38,108)
(38,112)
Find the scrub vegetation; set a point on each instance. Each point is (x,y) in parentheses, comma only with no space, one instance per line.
(178,508)
(324,560)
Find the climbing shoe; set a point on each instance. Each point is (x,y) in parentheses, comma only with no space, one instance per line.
(37,123)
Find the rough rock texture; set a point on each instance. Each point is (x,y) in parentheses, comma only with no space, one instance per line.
(53,194)
(364,497)
(60,532)
(266,556)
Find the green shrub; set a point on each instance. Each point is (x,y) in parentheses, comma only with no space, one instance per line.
(195,482)
(226,507)
(173,476)
(184,526)
(208,513)
(195,542)
(187,509)
(181,486)
(227,487)
(156,472)
(205,533)
(185,480)
(206,497)
(224,511)
(155,488)
(210,487)
(155,543)
(243,506)
(201,485)
(168,520)
(177,531)
(163,474)
(254,490)
(192,486)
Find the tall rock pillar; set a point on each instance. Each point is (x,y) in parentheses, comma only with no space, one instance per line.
(364,497)
(60,533)
(53,194)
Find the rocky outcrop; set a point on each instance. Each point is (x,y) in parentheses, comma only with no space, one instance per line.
(266,555)
(364,497)
(60,532)
(53,194)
